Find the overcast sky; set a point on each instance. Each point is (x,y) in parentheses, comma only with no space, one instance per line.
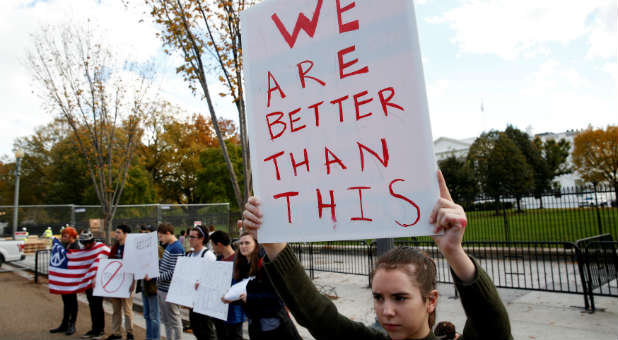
(543,65)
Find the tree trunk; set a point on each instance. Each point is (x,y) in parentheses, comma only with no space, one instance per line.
(246,160)
(107,225)
(211,109)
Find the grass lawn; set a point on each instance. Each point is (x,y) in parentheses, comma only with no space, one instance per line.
(542,224)
(566,225)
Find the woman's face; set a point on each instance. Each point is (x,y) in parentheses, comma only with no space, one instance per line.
(246,245)
(66,238)
(399,304)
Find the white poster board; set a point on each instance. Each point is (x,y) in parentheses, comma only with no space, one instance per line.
(215,281)
(238,289)
(141,255)
(112,280)
(337,116)
(182,287)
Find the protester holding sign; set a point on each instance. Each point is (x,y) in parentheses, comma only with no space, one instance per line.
(202,325)
(121,305)
(97,315)
(267,316)
(230,329)
(170,312)
(148,288)
(140,256)
(404,285)
(69,299)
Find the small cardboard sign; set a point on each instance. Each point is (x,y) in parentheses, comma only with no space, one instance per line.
(112,280)
(215,281)
(141,255)
(182,287)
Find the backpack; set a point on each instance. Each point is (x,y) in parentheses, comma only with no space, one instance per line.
(204,251)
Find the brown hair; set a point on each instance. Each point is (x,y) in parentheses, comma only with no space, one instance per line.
(243,266)
(423,273)
(445,330)
(165,228)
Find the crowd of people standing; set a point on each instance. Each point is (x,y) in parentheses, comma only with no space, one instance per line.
(260,306)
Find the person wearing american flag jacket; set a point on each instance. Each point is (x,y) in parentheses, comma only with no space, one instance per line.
(72,270)
(59,259)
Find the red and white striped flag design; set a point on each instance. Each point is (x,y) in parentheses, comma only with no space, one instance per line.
(72,271)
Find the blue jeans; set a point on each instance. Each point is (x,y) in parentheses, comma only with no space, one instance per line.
(151,315)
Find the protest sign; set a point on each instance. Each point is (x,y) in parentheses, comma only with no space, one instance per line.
(238,289)
(337,117)
(112,280)
(182,287)
(215,281)
(141,256)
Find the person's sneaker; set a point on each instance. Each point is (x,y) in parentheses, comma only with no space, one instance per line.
(114,337)
(130,336)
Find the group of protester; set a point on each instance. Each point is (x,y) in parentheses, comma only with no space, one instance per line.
(154,291)
(69,240)
(403,287)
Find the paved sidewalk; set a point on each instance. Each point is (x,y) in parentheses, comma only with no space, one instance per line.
(29,311)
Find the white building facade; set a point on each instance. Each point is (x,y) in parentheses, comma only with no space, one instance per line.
(445,147)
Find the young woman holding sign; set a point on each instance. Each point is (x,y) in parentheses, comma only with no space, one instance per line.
(404,286)
(267,316)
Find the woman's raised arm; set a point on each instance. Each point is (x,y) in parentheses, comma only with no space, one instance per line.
(450,218)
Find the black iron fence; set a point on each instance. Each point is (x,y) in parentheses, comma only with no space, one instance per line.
(549,266)
(564,216)
(588,267)
(546,242)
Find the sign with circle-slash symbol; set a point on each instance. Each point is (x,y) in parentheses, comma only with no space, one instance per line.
(112,280)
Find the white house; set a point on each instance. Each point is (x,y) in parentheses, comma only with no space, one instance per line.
(572,179)
(445,147)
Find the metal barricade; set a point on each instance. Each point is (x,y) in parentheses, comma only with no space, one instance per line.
(599,265)
(41,263)
(538,266)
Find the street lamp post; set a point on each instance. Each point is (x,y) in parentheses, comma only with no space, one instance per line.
(18,157)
